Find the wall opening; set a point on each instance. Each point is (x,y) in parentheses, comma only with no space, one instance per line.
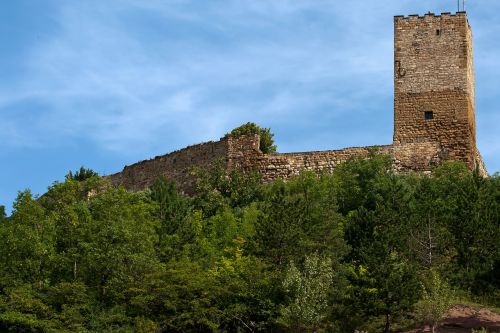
(438,32)
(428,115)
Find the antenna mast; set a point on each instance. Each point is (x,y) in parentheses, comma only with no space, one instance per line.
(463,5)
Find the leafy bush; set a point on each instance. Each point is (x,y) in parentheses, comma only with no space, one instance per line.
(436,300)
(82,174)
(267,145)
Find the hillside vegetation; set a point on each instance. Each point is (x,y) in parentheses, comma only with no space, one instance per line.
(362,249)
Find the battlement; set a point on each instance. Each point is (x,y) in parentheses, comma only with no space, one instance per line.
(429,16)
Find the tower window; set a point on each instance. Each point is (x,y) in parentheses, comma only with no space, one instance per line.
(428,115)
(438,32)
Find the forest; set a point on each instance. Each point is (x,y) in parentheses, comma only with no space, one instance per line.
(360,249)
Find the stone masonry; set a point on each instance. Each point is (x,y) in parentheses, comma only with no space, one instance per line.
(433,74)
(434,116)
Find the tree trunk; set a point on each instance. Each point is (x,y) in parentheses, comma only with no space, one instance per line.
(387,328)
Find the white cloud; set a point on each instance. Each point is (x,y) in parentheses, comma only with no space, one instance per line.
(99,80)
(126,74)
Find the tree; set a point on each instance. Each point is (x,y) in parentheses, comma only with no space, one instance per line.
(249,284)
(473,215)
(23,310)
(172,204)
(118,243)
(308,290)
(384,285)
(3,215)
(436,300)
(359,181)
(217,188)
(267,145)
(173,208)
(82,174)
(299,216)
(181,298)
(429,240)
(384,282)
(27,249)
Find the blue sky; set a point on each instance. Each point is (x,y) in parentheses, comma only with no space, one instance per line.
(107,83)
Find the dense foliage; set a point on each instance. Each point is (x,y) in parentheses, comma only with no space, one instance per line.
(266,136)
(81,174)
(360,249)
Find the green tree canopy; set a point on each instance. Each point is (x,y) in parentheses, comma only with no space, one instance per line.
(308,292)
(360,249)
(82,174)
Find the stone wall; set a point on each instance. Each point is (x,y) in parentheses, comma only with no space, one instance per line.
(176,166)
(433,72)
(243,153)
(274,166)
(415,156)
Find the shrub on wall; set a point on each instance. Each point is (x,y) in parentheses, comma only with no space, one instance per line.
(266,137)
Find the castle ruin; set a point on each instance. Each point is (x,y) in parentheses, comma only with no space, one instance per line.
(434,116)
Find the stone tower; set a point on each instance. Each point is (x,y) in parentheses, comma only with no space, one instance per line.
(434,98)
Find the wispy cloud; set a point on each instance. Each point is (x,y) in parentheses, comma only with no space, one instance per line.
(129,74)
(98,78)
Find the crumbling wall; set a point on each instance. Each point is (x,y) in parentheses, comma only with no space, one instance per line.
(246,156)
(176,166)
(274,166)
(243,153)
